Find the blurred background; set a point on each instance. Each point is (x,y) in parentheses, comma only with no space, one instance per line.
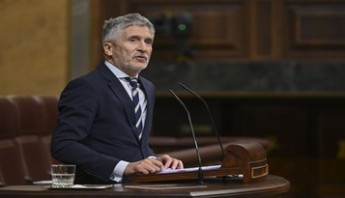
(273,69)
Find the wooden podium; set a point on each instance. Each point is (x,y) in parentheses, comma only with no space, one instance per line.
(246,160)
(270,186)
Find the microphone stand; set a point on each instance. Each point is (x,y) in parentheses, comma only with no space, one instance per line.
(200,172)
(210,116)
(212,122)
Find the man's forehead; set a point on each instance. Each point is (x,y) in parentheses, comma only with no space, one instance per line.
(138,30)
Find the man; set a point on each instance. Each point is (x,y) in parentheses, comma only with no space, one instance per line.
(97,127)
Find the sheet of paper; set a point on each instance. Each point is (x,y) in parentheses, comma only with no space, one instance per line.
(204,168)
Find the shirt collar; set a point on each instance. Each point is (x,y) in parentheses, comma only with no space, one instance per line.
(116,71)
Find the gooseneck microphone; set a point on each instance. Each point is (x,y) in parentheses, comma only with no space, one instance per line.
(200,172)
(210,116)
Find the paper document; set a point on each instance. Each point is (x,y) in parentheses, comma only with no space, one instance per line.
(193,169)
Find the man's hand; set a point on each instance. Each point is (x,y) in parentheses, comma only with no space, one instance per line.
(153,165)
(145,166)
(170,162)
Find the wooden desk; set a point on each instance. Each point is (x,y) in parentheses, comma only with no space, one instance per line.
(270,186)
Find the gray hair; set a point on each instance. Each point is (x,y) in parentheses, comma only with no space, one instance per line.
(113,27)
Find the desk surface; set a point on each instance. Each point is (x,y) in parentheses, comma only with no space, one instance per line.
(268,187)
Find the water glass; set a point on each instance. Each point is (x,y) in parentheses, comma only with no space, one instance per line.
(62,175)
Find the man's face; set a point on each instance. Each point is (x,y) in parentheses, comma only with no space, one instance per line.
(132,50)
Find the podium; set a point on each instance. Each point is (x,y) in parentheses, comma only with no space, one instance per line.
(270,186)
(245,160)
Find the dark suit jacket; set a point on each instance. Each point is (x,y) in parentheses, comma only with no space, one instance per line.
(96,125)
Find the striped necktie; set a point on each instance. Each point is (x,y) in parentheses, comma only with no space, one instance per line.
(135,99)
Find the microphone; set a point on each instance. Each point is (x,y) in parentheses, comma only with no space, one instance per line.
(200,172)
(210,116)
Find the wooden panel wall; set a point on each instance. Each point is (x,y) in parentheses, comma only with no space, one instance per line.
(314,29)
(302,124)
(245,29)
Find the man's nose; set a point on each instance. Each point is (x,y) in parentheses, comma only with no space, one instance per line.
(143,46)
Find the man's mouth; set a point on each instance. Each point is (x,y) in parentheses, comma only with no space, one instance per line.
(141,58)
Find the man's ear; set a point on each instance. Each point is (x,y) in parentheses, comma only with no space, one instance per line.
(107,47)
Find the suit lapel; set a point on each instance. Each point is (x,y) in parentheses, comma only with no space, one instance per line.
(121,94)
